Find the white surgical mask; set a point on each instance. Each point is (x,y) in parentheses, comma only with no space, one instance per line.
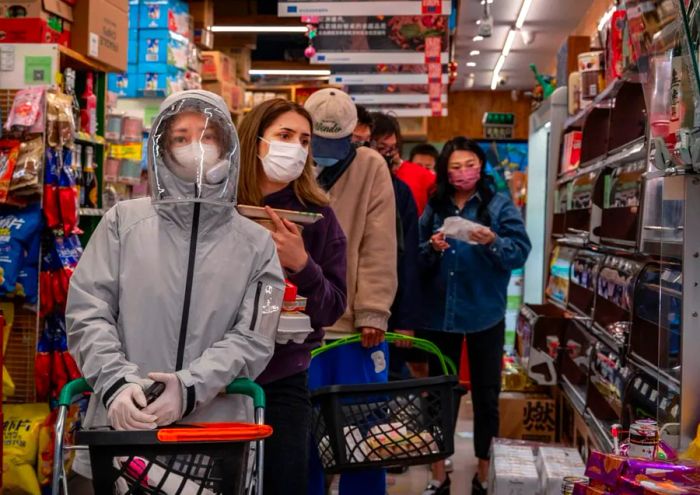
(284,162)
(189,158)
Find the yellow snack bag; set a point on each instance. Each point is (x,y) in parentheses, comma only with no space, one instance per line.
(8,311)
(693,452)
(21,427)
(44,459)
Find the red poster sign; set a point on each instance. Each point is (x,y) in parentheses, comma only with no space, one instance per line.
(435,91)
(433,48)
(431,7)
(434,73)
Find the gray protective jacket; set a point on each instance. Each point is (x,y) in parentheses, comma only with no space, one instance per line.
(172,284)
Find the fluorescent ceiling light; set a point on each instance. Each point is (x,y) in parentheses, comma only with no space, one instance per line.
(483,2)
(523,13)
(289,72)
(471,64)
(497,72)
(606,17)
(259,29)
(478,38)
(474,52)
(509,42)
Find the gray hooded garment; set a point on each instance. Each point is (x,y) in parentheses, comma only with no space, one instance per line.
(131,309)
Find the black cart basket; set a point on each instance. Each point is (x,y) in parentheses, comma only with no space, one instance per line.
(193,459)
(399,423)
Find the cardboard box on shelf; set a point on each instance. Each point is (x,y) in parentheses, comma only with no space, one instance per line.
(228,91)
(36,8)
(102,32)
(527,417)
(32,30)
(165,14)
(241,58)
(203,38)
(217,66)
(202,11)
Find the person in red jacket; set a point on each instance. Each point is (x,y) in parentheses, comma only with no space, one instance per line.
(386,139)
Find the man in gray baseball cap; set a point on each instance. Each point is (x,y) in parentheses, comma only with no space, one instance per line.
(362,197)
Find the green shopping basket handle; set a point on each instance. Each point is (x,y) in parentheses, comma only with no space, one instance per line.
(243,386)
(448,366)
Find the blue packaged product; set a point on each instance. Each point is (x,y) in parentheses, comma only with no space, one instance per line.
(124,84)
(161,49)
(133,14)
(133,53)
(159,84)
(164,14)
(28,276)
(18,228)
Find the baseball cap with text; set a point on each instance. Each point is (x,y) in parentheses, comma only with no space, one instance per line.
(333,112)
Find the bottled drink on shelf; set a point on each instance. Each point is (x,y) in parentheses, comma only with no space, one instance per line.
(88,113)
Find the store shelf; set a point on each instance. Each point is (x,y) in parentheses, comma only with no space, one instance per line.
(84,137)
(92,212)
(575,395)
(600,430)
(595,165)
(73,59)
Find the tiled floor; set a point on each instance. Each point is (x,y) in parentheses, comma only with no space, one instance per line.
(416,479)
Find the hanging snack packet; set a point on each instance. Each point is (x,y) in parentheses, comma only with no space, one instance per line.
(68,194)
(7,318)
(21,425)
(66,122)
(9,152)
(52,211)
(28,277)
(26,110)
(17,229)
(44,459)
(42,364)
(27,171)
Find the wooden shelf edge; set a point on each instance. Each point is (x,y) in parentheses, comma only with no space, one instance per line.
(83,60)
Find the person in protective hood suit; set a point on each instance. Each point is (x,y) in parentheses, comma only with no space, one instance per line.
(177,288)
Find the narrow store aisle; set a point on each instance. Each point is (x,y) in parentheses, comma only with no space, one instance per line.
(416,479)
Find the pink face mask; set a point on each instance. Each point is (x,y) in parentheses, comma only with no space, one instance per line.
(465,179)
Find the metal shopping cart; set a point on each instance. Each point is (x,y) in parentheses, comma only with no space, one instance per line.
(201,459)
(399,423)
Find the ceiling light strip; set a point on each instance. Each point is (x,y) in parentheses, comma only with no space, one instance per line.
(508,45)
(259,29)
(289,72)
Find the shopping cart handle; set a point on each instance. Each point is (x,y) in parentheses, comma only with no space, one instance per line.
(246,386)
(243,386)
(71,389)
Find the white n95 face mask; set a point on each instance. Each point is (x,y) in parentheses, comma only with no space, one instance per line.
(188,160)
(284,162)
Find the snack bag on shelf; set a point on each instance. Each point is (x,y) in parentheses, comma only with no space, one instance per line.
(21,425)
(7,318)
(27,172)
(52,210)
(27,112)
(9,152)
(17,230)
(69,200)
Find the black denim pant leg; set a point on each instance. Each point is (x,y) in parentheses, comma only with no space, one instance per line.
(287,450)
(485,360)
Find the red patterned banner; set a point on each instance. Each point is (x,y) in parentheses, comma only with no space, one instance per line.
(433,49)
(436,108)
(431,7)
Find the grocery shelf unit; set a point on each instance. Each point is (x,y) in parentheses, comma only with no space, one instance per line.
(22,343)
(633,203)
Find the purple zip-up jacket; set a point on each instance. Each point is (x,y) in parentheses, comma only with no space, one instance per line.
(322,282)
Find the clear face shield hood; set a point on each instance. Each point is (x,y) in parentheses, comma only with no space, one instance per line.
(193,151)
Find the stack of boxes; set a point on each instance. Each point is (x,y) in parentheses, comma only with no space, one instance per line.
(162,56)
(219,76)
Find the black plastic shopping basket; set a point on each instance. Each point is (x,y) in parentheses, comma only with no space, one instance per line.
(201,459)
(399,423)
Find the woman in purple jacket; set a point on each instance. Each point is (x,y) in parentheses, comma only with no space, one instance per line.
(277,172)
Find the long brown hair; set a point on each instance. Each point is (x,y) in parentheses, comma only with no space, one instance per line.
(250,131)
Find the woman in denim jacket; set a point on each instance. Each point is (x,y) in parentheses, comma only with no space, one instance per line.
(466,284)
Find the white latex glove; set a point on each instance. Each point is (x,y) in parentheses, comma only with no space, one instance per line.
(125,413)
(459,228)
(168,407)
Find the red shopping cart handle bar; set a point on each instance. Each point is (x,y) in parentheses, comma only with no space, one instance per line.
(201,433)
